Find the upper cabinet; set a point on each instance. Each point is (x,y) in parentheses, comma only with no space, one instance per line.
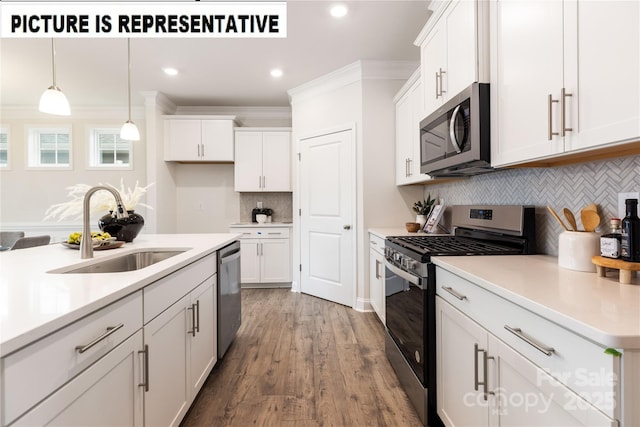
(263,159)
(565,76)
(453,48)
(198,138)
(409,112)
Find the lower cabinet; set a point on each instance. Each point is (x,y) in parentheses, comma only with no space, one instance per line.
(481,381)
(180,354)
(376,276)
(107,393)
(265,254)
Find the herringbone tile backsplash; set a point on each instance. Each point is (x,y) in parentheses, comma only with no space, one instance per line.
(573,187)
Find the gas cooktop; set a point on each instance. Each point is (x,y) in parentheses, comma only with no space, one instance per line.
(451,245)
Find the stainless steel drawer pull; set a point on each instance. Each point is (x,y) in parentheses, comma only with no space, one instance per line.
(531,341)
(145,383)
(563,116)
(550,131)
(193,320)
(454,293)
(110,330)
(274,233)
(485,367)
(197,326)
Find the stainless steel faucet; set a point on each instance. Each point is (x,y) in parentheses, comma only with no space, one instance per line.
(86,244)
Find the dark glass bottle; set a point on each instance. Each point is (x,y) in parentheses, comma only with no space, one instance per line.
(630,244)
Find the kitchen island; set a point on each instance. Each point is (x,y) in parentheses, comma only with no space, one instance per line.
(71,341)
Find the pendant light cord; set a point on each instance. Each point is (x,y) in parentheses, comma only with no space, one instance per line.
(129,73)
(53,61)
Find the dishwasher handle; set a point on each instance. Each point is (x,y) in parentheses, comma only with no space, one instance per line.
(230,257)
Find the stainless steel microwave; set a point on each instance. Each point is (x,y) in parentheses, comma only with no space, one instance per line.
(455,139)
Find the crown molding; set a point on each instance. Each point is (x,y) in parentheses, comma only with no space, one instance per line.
(24,112)
(154,98)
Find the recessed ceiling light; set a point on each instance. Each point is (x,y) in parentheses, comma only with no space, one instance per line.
(276,72)
(170,71)
(339,10)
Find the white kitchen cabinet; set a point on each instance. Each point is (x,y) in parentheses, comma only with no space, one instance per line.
(453,46)
(376,276)
(483,382)
(409,113)
(180,342)
(263,159)
(108,393)
(197,139)
(265,254)
(559,83)
(527,369)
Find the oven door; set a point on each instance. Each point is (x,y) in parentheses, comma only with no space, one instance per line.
(405,305)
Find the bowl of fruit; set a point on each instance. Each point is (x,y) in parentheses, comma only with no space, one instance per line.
(100,240)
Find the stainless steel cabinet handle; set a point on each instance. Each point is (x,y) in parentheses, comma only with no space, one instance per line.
(198,150)
(441,85)
(197,324)
(378,269)
(110,330)
(193,320)
(437,90)
(454,293)
(550,131)
(531,341)
(260,181)
(410,161)
(264,181)
(563,115)
(202,150)
(485,367)
(346,227)
(145,383)
(274,233)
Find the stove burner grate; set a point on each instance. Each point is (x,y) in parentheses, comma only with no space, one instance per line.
(452,245)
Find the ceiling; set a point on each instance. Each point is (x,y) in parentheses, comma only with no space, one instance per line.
(214,72)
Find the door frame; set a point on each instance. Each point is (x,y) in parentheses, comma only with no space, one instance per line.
(296,285)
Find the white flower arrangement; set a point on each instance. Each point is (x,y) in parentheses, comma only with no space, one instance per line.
(101,201)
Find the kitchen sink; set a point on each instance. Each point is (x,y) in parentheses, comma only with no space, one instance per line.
(127,262)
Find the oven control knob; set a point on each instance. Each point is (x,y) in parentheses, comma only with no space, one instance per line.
(397,257)
(411,265)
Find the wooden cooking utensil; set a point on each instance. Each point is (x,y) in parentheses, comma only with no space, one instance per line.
(570,218)
(590,220)
(555,215)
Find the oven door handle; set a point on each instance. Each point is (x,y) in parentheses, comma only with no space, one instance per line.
(414,280)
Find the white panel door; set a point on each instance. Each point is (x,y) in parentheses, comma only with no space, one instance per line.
(275,261)
(202,346)
(183,139)
(276,161)
(249,260)
(248,161)
(327,199)
(461,48)
(217,140)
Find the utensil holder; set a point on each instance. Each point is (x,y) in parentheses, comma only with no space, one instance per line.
(576,248)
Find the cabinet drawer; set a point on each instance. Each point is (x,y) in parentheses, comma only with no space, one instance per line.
(262,232)
(166,291)
(376,243)
(574,361)
(34,372)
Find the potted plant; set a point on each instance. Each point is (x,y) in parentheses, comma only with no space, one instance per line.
(423,208)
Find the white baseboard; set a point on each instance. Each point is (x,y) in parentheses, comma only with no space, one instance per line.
(363,304)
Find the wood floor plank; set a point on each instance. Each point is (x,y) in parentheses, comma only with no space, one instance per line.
(305,362)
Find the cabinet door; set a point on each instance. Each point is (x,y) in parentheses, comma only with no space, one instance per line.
(275,261)
(276,161)
(107,393)
(416,94)
(167,399)
(433,54)
(461,47)
(403,139)
(602,71)
(527,61)
(248,161)
(459,365)
(249,261)
(202,345)
(182,139)
(217,140)
(376,283)
(528,395)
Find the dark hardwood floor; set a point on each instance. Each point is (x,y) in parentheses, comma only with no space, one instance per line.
(302,361)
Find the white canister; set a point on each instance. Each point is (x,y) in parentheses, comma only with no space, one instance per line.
(576,248)
(261,218)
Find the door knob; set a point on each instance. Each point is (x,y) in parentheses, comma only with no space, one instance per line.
(346,227)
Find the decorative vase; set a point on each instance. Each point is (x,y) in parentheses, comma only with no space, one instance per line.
(421,219)
(122,228)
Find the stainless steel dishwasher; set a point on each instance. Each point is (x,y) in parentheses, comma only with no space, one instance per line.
(229,298)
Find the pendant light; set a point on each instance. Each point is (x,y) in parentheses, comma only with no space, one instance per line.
(129,129)
(53,100)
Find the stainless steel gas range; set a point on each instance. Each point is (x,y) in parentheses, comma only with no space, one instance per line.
(410,288)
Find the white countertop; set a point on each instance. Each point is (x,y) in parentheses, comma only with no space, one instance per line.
(264,224)
(34,303)
(598,308)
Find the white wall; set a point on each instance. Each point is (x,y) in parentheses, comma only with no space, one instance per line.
(26,194)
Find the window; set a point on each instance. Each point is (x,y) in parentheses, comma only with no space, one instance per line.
(108,150)
(50,147)
(4,147)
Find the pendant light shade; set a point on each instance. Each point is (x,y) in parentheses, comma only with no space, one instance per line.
(53,100)
(129,129)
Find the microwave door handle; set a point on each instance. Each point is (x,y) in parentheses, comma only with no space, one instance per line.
(452,130)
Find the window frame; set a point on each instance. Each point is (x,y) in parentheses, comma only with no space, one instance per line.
(93,151)
(4,129)
(33,146)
